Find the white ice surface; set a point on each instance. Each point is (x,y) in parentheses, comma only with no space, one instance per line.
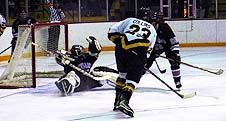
(151,101)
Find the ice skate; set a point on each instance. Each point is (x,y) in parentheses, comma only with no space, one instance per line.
(124,107)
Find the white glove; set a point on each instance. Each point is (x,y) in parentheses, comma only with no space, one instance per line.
(65,61)
(63,51)
(149,50)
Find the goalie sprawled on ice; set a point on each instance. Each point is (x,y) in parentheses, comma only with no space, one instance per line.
(77,64)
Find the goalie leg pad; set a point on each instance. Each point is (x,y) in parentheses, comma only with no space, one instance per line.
(101,71)
(68,83)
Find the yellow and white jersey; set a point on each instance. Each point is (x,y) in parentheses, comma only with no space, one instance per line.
(137,33)
(2,24)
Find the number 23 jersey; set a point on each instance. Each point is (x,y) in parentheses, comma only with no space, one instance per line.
(135,33)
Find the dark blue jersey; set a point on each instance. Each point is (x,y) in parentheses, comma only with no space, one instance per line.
(19,21)
(84,62)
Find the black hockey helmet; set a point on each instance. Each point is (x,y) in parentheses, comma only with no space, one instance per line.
(143,13)
(156,19)
(157,16)
(77,50)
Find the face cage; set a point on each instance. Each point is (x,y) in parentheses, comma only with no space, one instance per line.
(78,52)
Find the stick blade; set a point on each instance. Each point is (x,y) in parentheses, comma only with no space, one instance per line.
(190,95)
(219,72)
(162,71)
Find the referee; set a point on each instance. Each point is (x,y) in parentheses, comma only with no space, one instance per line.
(55,15)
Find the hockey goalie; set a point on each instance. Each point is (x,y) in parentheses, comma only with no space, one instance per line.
(77,66)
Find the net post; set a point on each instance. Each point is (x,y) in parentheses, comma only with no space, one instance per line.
(66,37)
(33,57)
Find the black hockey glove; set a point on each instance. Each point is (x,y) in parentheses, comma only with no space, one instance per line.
(94,45)
(13,42)
(115,37)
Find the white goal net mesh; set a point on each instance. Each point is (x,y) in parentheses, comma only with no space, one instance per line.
(29,62)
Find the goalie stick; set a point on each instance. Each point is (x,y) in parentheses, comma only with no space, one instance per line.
(161,71)
(183,96)
(219,72)
(77,68)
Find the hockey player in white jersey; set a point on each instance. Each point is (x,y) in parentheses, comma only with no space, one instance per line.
(133,37)
(2,24)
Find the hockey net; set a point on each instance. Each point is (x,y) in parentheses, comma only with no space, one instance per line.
(28,62)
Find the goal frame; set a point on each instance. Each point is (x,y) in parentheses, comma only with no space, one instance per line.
(34,72)
(33,46)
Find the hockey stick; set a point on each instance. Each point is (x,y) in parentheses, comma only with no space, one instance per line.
(183,96)
(219,72)
(77,68)
(40,47)
(5,49)
(161,71)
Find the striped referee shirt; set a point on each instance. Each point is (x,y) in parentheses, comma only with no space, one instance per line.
(55,14)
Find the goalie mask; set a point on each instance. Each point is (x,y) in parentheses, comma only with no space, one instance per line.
(77,50)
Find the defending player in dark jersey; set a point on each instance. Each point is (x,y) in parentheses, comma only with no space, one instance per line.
(74,80)
(2,24)
(23,19)
(166,42)
(132,38)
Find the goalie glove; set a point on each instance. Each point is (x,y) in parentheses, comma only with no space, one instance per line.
(94,46)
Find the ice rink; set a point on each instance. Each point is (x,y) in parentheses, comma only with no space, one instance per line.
(151,101)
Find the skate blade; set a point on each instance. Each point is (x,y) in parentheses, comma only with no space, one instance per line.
(128,113)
